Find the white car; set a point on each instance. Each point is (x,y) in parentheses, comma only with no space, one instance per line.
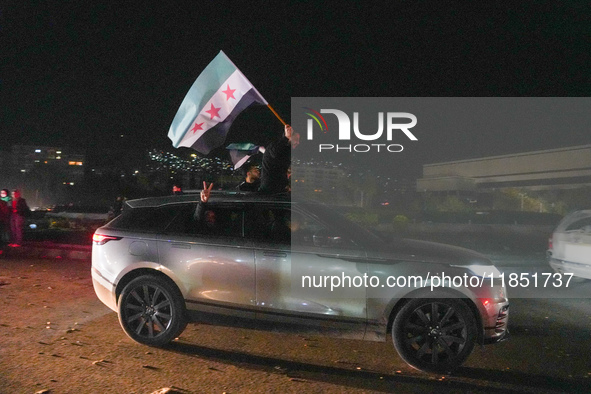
(570,246)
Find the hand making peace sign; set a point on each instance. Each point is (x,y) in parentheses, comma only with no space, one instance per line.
(206,192)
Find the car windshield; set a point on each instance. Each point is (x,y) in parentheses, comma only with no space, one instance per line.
(576,221)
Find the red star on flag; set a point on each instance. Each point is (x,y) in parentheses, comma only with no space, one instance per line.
(213,111)
(197,127)
(229,93)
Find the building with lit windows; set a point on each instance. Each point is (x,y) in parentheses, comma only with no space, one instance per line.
(67,164)
(45,175)
(322,181)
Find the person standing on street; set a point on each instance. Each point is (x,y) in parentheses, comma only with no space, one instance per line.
(5,205)
(19,211)
(118,206)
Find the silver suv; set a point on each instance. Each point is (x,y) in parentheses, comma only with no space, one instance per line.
(270,263)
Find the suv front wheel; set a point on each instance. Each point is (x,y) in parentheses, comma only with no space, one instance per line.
(434,334)
(152,311)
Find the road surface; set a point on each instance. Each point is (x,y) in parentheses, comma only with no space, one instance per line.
(56,336)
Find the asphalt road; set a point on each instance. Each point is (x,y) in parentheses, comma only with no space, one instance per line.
(56,336)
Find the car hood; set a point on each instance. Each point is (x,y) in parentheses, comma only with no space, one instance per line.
(432,252)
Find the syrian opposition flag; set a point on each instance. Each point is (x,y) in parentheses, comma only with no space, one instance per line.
(216,98)
(241,152)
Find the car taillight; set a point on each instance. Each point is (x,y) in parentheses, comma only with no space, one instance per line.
(100,239)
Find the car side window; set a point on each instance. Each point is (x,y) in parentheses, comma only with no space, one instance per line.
(582,225)
(304,228)
(215,220)
(270,224)
(148,219)
(286,227)
(308,231)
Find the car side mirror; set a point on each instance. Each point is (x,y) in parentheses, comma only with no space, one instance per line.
(323,239)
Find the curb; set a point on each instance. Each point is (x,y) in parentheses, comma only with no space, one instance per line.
(48,250)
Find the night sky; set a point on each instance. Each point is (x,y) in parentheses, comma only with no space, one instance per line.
(83,74)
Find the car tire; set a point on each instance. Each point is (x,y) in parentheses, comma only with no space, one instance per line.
(152,311)
(434,334)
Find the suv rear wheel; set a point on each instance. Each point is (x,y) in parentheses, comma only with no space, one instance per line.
(435,334)
(152,311)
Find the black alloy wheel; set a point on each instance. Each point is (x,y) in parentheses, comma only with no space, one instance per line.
(434,335)
(152,311)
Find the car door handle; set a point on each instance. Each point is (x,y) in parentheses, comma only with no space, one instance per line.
(274,254)
(177,245)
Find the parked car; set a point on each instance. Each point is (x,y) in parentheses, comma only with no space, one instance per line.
(245,260)
(569,249)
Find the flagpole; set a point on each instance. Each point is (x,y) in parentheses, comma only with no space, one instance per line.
(276,114)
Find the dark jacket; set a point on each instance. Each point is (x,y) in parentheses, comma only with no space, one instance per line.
(276,162)
(249,187)
(22,209)
(4,212)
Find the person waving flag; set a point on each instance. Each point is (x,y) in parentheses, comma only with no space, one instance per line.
(216,98)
